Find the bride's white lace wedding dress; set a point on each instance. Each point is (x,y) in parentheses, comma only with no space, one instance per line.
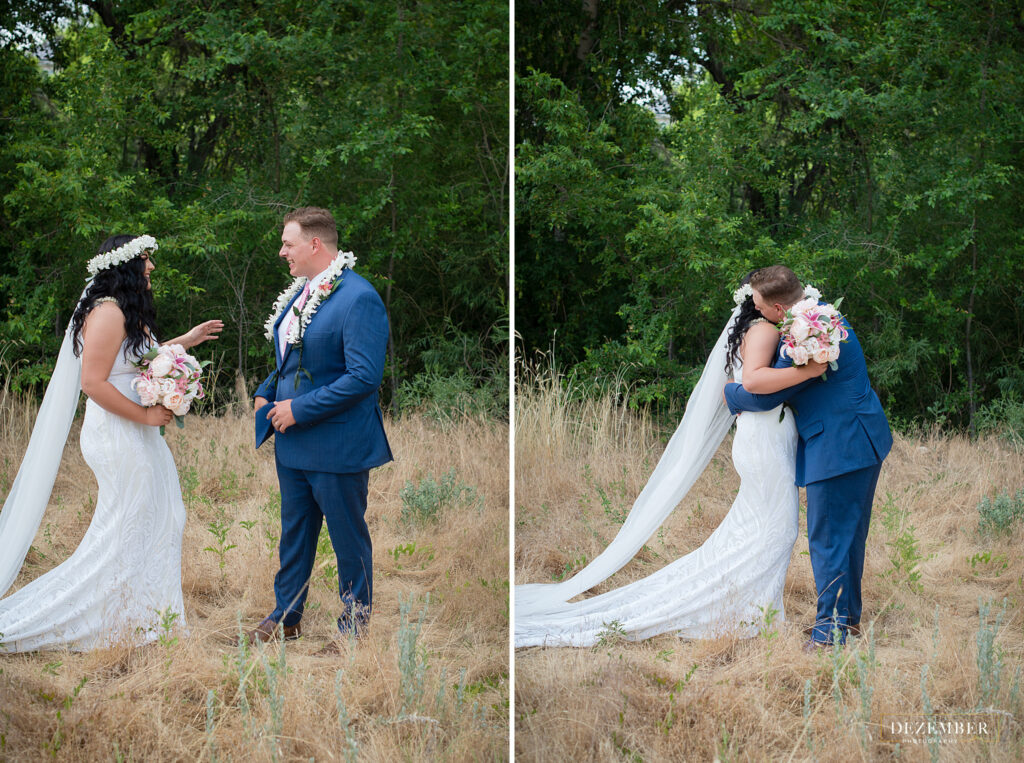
(124,578)
(725,586)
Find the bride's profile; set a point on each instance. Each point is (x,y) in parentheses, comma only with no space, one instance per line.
(737,574)
(125,575)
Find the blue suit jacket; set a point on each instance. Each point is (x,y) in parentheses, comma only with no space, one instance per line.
(338,424)
(841,423)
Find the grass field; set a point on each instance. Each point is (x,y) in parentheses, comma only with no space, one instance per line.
(428,682)
(929,569)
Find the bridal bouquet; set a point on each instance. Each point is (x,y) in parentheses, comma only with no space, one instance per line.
(811,331)
(169,376)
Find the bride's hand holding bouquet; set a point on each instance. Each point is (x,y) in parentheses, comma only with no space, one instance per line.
(169,377)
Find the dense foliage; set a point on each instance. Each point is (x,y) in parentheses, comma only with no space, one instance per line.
(203,123)
(873,147)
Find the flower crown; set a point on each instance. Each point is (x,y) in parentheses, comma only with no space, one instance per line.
(742,293)
(122,254)
(746,290)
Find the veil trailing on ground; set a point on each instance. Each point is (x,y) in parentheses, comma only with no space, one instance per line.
(23,509)
(702,429)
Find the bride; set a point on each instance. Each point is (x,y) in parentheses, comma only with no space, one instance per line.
(124,579)
(735,578)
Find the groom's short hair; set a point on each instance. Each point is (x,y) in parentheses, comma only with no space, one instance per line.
(777,283)
(315,222)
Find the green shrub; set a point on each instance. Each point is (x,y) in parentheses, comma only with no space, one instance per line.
(424,502)
(1004,418)
(447,397)
(998,514)
(462,376)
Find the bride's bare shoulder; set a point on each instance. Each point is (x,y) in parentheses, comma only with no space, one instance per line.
(759,343)
(761,330)
(105,319)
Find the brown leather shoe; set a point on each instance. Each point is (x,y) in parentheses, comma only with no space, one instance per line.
(810,646)
(268,630)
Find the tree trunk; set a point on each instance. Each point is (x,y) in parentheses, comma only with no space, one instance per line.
(588,37)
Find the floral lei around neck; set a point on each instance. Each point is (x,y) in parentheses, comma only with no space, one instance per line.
(323,291)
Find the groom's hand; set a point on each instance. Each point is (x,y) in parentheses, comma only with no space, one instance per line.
(281,415)
(259,402)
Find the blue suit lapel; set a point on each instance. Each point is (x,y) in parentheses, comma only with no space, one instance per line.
(779,362)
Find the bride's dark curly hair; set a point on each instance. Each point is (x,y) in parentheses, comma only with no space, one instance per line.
(127,284)
(747,315)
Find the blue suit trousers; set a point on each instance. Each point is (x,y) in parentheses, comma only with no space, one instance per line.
(838,515)
(307,499)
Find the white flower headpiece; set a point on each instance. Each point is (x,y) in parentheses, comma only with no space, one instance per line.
(811,293)
(123,253)
(741,294)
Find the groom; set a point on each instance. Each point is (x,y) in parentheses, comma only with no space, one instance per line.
(844,437)
(329,341)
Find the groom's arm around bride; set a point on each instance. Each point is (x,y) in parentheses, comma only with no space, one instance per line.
(329,331)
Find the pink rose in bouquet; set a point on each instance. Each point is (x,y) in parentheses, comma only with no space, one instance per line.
(169,376)
(813,331)
(149,391)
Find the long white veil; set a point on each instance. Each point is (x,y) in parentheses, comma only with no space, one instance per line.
(23,509)
(702,429)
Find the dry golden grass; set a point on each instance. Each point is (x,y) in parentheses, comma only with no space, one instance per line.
(150,702)
(578,467)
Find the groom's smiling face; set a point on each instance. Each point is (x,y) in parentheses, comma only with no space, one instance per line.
(297,250)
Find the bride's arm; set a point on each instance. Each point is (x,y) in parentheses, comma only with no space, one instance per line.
(198,334)
(102,335)
(758,352)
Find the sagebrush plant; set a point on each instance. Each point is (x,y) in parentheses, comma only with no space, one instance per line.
(998,515)
(425,500)
(211,717)
(990,654)
(345,720)
(412,657)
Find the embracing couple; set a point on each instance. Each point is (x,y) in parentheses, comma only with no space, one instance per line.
(329,330)
(816,425)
